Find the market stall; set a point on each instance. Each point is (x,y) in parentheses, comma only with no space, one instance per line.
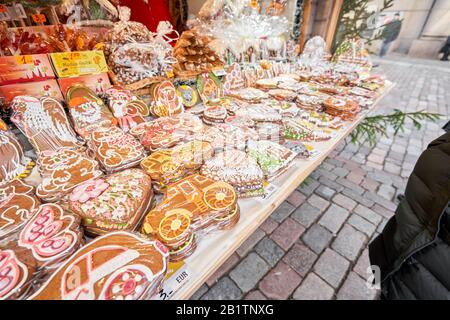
(152,155)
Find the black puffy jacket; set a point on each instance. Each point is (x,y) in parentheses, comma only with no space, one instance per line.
(413,251)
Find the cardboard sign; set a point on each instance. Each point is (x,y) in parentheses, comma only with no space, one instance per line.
(47,88)
(79,63)
(179,274)
(99,83)
(26,68)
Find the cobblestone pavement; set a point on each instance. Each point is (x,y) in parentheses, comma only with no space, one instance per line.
(314,246)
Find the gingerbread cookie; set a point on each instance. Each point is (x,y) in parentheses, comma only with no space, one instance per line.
(272,157)
(13,162)
(170,165)
(128,109)
(341,107)
(44,122)
(88,111)
(234,79)
(113,203)
(209,87)
(62,171)
(17,205)
(192,204)
(188,95)
(166,101)
(51,235)
(15,274)
(236,168)
(166,132)
(115,149)
(117,266)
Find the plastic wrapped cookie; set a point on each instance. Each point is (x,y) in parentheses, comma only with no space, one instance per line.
(62,171)
(113,203)
(13,162)
(116,266)
(193,205)
(166,101)
(44,122)
(17,205)
(127,108)
(114,149)
(238,169)
(88,111)
(170,165)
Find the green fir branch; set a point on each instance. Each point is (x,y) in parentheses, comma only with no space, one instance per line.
(372,127)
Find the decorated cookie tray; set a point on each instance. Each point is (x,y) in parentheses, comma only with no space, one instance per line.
(188,275)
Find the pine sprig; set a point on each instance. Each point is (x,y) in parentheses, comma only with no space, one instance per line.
(371,127)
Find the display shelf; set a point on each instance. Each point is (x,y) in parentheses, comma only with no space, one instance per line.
(214,249)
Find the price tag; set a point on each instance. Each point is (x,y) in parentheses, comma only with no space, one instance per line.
(219,72)
(175,282)
(2,8)
(24,59)
(39,18)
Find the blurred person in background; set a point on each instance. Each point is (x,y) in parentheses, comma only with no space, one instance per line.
(390,33)
(445,50)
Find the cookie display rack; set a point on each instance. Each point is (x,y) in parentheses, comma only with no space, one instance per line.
(215,249)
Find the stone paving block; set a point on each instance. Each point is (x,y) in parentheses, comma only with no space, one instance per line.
(223,269)
(370,184)
(335,162)
(344,201)
(331,267)
(313,288)
(349,242)
(199,293)
(318,202)
(355,288)
(282,212)
(361,267)
(300,258)
(374,165)
(340,172)
(350,185)
(368,214)
(287,233)
(296,198)
(268,225)
(386,191)
(334,218)
(280,282)
(269,251)
(317,238)
(306,214)
(325,192)
(392,168)
(383,211)
(355,177)
(255,295)
(380,200)
(250,243)
(224,289)
(325,173)
(375,158)
(362,225)
(249,271)
(308,186)
(331,184)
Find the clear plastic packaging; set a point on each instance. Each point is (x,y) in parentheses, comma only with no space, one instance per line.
(13,162)
(44,122)
(87,110)
(126,107)
(45,241)
(116,266)
(114,149)
(62,171)
(116,202)
(236,168)
(191,207)
(170,165)
(166,101)
(17,204)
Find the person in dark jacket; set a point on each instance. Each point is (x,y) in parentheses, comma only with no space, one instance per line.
(413,251)
(390,33)
(445,50)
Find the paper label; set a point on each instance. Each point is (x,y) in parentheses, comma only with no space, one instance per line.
(179,275)
(74,64)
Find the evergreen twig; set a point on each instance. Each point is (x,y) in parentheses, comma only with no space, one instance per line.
(371,127)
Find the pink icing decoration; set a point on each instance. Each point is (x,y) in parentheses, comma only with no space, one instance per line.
(89,190)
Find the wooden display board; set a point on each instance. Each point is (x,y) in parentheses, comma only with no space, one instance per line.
(214,249)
